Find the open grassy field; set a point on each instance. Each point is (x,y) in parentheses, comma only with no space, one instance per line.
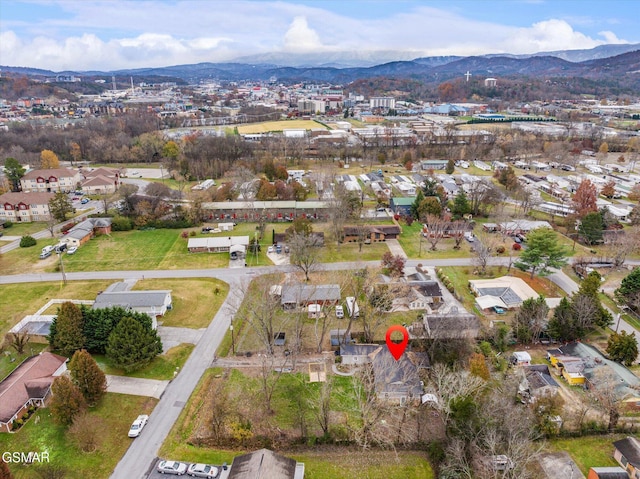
(416,246)
(21,229)
(320,462)
(268,126)
(22,260)
(195,301)
(113,416)
(20,299)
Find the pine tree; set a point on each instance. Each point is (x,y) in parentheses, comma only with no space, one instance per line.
(451,166)
(66,334)
(66,401)
(131,345)
(622,348)
(88,376)
(562,324)
(461,206)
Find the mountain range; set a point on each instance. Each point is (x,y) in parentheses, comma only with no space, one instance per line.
(612,62)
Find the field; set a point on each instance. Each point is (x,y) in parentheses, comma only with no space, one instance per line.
(321,462)
(162,367)
(112,417)
(589,451)
(20,299)
(268,126)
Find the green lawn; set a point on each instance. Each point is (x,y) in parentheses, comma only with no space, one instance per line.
(195,301)
(588,451)
(22,260)
(162,367)
(21,229)
(11,359)
(21,299)
(113,417)
(333,253)
(418,247)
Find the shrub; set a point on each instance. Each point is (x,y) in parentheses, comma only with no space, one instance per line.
(192,233)
(501,249)
(121,223)
(8,224)
(184,234)
(516,247)
(27,241)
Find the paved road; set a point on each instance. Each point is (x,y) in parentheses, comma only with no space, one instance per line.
(140,457)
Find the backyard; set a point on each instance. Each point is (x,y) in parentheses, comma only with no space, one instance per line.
(112,417)
(188,437)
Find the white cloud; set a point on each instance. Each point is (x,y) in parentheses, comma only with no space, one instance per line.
(301,38)
(104,35)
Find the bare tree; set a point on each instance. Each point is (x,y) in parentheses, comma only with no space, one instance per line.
(85,431)
(259,309)
(271,370)
(436,228)
(621,244)
(19,341)
(323,322)
(305,252)
(363,233)
(606,396)
(457,229)
(51,225)
(483,249)
(320,405)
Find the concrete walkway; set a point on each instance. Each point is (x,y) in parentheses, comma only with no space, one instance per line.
(395,248)
(136,386)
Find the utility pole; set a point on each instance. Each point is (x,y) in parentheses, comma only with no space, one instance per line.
(64,276)
(233,342)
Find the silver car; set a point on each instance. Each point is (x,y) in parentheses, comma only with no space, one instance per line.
(172,467)
(203,470)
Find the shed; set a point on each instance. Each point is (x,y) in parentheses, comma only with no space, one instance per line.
(521,358)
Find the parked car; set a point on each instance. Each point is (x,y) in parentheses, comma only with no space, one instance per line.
(75,198)
(339,312)
(61,247)
(286,249)
(499,310)
(72,250)
(172,467)
(203,470)
(45,254)
(270,249)
(138,425)
(84,201)
(207,229)
(279,249)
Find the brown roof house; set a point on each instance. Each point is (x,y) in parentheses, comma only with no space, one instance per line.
(29,384)
(265,464)
(374,234)
(50,180)
(100,180)
(627,453)
(25,207)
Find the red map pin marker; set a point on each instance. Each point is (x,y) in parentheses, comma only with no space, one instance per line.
(397,349)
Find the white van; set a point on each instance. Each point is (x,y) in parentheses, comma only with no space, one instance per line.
(339,312)
(47,249)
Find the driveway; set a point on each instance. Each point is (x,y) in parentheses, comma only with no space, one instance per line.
(395,248)
(136,386)
(172,337)
(559,465)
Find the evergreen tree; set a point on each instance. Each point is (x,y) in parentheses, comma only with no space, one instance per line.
(622,348)
(66,400)
(528,322)
(131,345)
(99,323)
(461,206)
(88,376)
(562,324)
(415,206)
(591,227)
(629,289)
(66,333)
(543,251)
(14,171)
(451,166)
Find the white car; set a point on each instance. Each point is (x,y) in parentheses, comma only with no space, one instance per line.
(72,250)
(270,249)
(172,467)
(138,424)
(203,470)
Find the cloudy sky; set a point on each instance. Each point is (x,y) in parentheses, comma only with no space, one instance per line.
(113,34)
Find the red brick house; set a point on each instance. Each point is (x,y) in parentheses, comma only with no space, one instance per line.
(28,385)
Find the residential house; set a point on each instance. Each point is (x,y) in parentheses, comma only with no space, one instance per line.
(505,292)
(28,385)
(373,234)
(426,165)
(423,296)
(302,295)
(357,353)
(513,227)
(85,230)
(154,303)
(220,244)
(271,210)
(449,229)
(398,381)
(51,180)
(401,206)
(450,324)
(607,473)
(627,453)
(25,207)
(537,383)
(569,367)
(482,165)
(265,464)
(406,189)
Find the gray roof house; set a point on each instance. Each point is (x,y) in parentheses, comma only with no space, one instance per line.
(152,303)
(265,464)
(298,295)
(398,380)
